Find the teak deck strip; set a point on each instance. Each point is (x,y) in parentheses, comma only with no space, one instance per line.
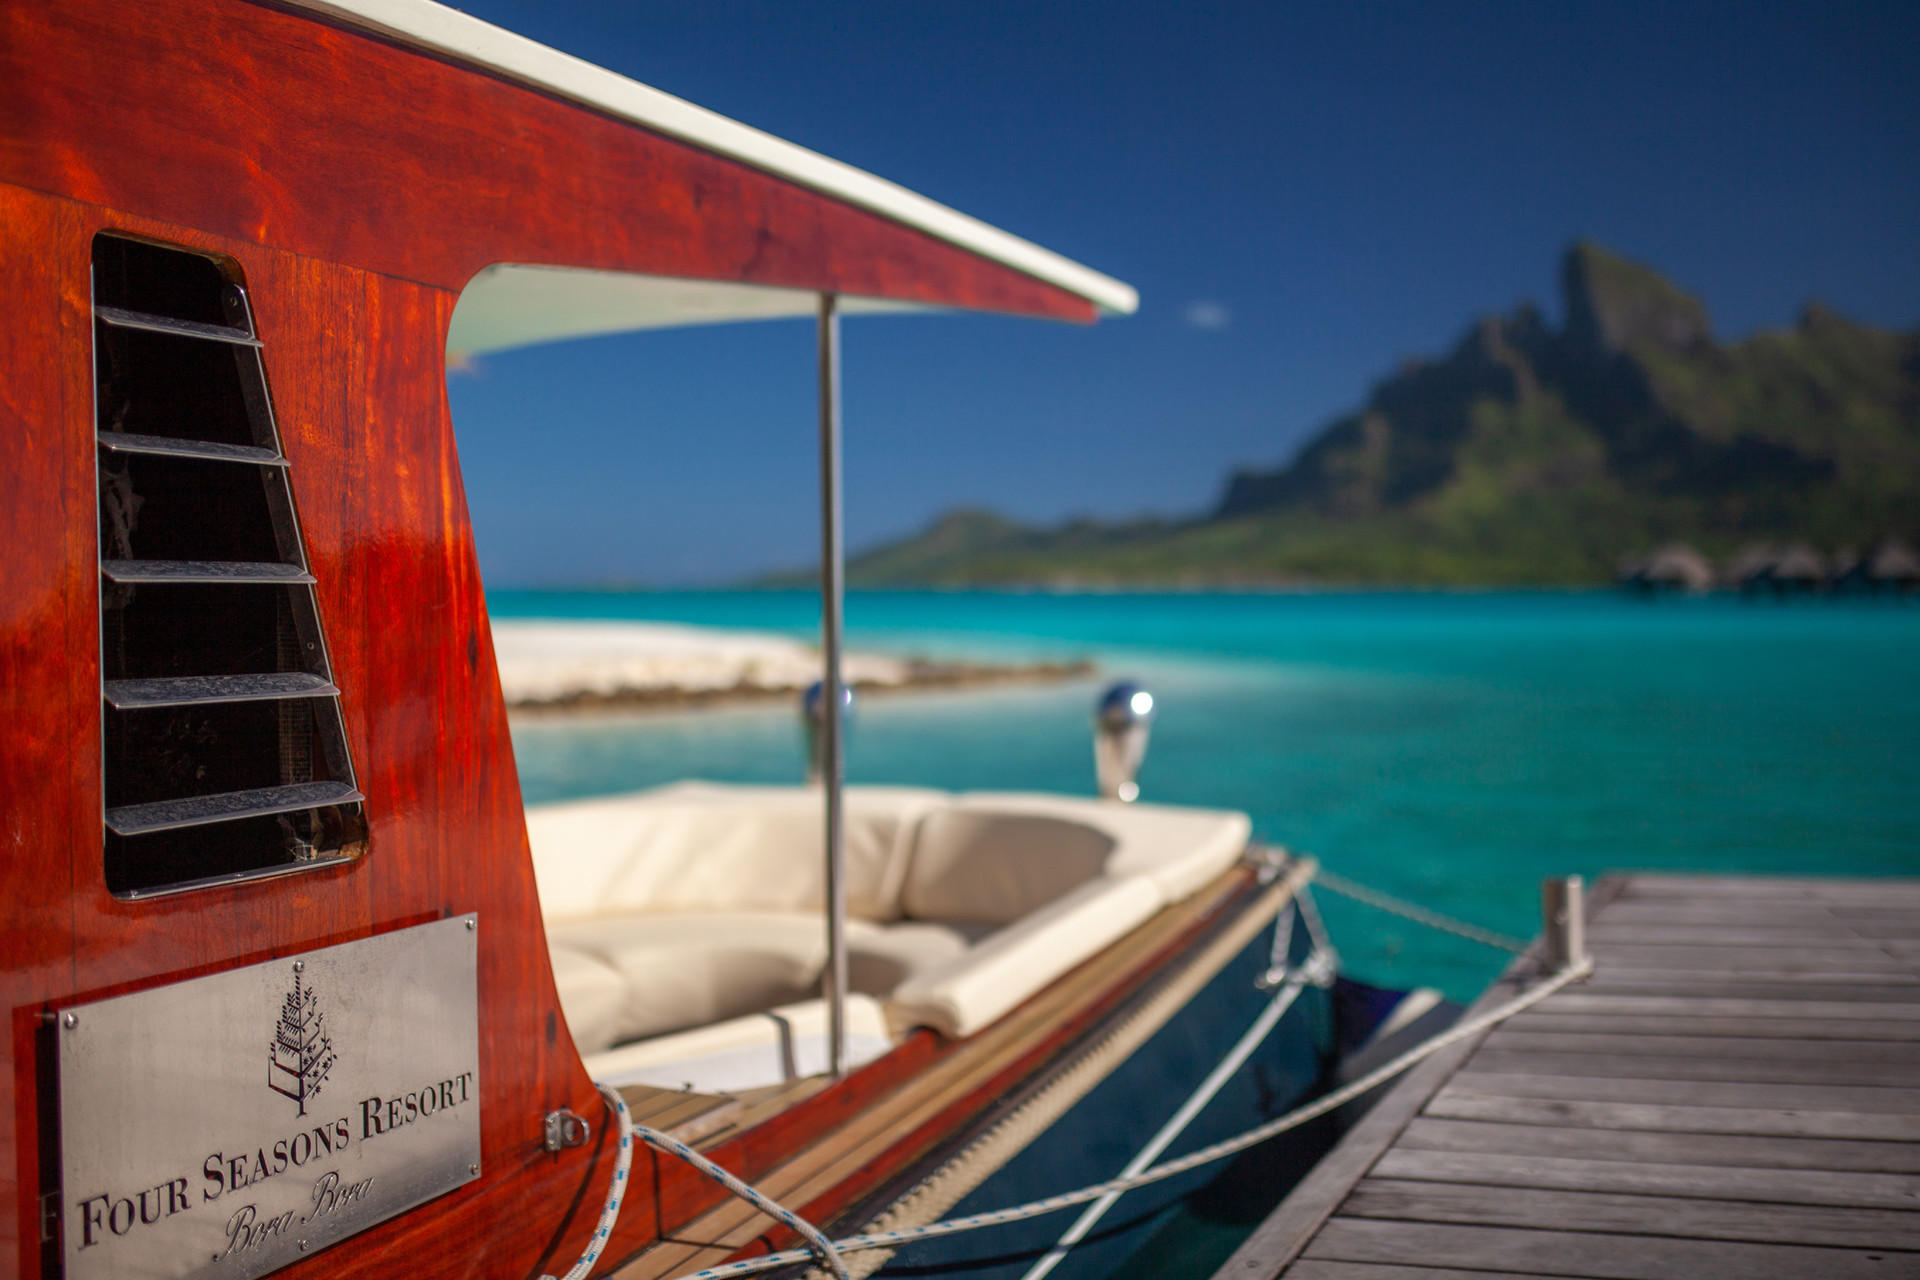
(1734,1093)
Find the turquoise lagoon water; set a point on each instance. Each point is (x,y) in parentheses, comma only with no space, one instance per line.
(1452,748)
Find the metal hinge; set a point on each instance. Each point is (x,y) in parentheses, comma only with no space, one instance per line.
(565,1129)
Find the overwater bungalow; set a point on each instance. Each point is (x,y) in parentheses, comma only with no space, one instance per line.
(1674,567)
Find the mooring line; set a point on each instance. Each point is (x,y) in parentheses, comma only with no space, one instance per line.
(1173,1168)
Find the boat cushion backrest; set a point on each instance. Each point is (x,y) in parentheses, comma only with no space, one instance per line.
(593,995)
(992,866)
(1178,848)
(705,848)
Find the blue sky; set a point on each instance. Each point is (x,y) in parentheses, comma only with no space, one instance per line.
(1304,195)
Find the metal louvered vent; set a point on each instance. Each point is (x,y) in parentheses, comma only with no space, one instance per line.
(224,754)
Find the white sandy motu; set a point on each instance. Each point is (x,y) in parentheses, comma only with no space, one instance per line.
(687,933)
(546,661)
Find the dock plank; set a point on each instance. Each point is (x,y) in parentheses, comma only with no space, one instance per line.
(1787,972)
(1848,924)
(1700,1006)
(1735,1092)
(1690,1218)
(1759,1121)
(1546,1018)
(1662,1147)
(1689,1181)
(1708,958)
(1754,1069)
(1656,982)
(1595,1255)
(1694,1093)
(1824,889)
(1319,1269)
(1706,1046)
(1746,933)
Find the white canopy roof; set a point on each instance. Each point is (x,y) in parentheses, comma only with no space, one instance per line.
(514,296)
(510,305)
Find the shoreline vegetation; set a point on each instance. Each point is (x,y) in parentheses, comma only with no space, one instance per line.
(562,668)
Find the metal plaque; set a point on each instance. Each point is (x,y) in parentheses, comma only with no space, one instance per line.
(229,1125)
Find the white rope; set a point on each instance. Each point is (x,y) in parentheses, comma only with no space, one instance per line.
(1419,915)
(818,1245)
(1196,1102)
(616,1190)
(1317,934)
(1173,1168)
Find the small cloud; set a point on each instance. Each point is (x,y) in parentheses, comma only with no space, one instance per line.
(1204,313)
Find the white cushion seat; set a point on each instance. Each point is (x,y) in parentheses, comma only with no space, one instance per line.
(693,968)
(880,958)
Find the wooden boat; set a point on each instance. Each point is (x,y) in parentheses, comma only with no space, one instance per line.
(280,988)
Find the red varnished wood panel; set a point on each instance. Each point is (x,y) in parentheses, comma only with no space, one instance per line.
(44,595)
(272,127)
(359,390)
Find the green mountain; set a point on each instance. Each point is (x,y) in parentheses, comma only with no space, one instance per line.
(1528,455)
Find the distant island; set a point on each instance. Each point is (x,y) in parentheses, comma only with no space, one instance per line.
(1527,455)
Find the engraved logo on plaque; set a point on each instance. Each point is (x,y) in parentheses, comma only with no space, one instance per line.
(301,1052)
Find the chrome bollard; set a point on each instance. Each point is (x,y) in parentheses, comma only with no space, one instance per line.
(1563,911)
(1121,722)
(813,718)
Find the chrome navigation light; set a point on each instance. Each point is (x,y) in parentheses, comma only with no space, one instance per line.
(1121,723)
(813,716)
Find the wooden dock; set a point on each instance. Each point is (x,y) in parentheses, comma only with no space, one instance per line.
(1734,1093)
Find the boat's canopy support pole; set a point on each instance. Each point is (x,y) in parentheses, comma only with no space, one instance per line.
(833,691)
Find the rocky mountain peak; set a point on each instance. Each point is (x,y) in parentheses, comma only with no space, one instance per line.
(1614,305)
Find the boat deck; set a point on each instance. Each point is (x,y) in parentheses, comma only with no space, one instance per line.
(1735,1092)
(907,1114)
